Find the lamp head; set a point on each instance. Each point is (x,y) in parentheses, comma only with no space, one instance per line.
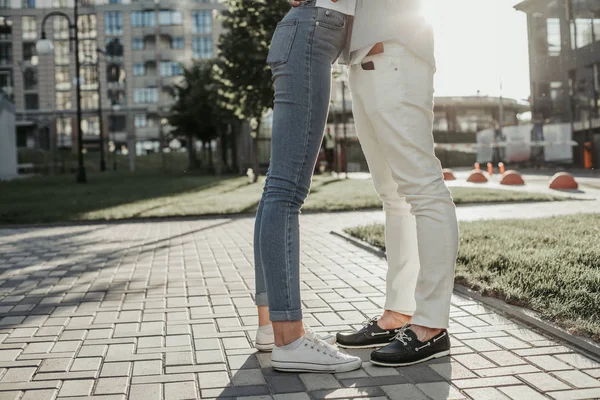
(44,46)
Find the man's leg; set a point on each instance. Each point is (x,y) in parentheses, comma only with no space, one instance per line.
(400,233)
(400,103)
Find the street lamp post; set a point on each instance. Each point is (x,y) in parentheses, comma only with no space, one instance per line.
(45,47)
(100,121)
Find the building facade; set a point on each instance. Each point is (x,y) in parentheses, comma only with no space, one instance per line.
(143,43)
(564,55)
(8,145)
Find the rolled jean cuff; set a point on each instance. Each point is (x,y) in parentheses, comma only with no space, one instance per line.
(282,316)
(261,300)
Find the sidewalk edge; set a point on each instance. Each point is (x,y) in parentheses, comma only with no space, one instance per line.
(520,314)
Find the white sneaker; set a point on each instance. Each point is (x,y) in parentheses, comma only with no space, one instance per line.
(311,354)
(265,338)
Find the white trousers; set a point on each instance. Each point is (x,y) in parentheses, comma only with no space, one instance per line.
(393,112)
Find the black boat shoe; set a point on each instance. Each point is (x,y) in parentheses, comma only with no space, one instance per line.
(371,335)
(406,349)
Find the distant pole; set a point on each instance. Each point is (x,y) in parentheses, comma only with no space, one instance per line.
(496,151)
(345,145)
(131,142)
(100,117)
(159,85)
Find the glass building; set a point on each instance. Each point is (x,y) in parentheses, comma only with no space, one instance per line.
(564,54)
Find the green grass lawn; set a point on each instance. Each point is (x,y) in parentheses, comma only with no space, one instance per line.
(550,265)
(122,195)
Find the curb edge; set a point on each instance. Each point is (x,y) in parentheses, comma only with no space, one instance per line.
(520,314)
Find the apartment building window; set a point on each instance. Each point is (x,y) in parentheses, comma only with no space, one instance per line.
(61,53)
(143,18)
(5,53)
(553,38)
(141,121)
(63,101)
(581,33)
(89,77)
(87,26)
(115,73)
(139,69)
(114,2)
(117,123)
(116,97)
(60,28)
(5,3)
(145,95)
(28,3)
(138,44)
(30,79)
(6,83)
(5,28)
(87,51)
(29,52)
(178,42)
(62,78)
(170,18)
(203,47)
(170,68)
(585,23)
(89,100)
(64,126)
(202,22)
(90,126)
(32,101)
(62,3)
(114,48)
(113,23)
(29,28)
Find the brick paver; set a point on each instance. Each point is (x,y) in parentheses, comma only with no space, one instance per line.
(164,310)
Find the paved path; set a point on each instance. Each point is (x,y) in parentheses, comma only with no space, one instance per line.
(164,310)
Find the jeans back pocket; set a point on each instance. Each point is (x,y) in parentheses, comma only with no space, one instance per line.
(281,44)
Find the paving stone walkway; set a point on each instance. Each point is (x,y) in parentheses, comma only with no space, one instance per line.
(164,310)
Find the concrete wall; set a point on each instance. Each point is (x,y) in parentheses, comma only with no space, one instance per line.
(8,139)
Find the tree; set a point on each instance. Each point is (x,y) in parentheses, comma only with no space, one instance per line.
(197,112)
(246,78)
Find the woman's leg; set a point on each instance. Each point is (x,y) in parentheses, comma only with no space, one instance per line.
(259,275)
(304,46)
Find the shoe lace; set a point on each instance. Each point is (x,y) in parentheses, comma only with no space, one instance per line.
(402,336)
(322,346)
(370,322)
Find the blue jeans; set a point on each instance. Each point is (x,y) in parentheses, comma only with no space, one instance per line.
(305,45)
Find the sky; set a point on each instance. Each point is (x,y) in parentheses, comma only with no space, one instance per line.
(479,44)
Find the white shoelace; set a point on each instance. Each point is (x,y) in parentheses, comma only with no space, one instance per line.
(371,321)
(320,345)
(403,337)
